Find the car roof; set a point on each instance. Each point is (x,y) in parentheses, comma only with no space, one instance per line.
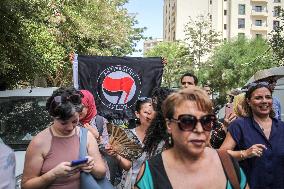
(39,91)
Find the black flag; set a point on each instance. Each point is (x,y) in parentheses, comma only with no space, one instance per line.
(117,82)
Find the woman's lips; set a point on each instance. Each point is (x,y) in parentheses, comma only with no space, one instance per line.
(197,142)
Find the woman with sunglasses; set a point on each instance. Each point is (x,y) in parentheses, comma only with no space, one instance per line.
(145,113)
(258,139)
(188,163)
(49,155)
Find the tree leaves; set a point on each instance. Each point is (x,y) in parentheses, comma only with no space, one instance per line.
(38,36)
(234,62)
(277,40)
(177,58)
(201,38)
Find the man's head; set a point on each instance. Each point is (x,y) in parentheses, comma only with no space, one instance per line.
(188,79)
(207,88)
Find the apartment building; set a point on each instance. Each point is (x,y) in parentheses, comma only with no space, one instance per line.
(149,44)
(232,18)
(176,15)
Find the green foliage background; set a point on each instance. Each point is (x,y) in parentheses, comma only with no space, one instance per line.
(37,37)
(234,62)
(177,61)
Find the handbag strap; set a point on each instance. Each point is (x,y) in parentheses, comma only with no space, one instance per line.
(99,124)
(83,142)
(229,168)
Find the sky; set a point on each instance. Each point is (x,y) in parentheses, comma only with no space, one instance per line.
(150,15)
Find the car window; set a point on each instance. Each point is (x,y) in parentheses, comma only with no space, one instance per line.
(21,118)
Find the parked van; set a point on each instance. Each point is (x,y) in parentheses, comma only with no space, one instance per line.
(22,116)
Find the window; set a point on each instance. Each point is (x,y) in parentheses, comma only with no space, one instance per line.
(241,23)
(258,22)
(225,39)
(277,1)
(258,35)
(276,11)
(210,16)
(225,26)
(242,9)
(210,2)
(258,8)
(225,12)
(276,24)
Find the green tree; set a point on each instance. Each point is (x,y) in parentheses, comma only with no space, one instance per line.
(37,36)
(277,40)
(234,62)
(177,61)
(201,38)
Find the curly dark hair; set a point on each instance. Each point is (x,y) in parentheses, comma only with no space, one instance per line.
(64,102)
(157,131)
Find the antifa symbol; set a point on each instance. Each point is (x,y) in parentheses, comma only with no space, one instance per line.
(119,86)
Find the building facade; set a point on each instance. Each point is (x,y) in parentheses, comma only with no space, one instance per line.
(149,44)
(232,18)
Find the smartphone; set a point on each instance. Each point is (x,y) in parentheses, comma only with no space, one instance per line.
(79,161)
(229,109)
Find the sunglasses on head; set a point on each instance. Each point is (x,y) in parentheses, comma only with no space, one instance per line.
(58,100)
(272,80)
(142,99)
(254,84)
(187,122)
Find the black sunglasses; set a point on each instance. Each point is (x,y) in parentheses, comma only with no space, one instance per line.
(74,99)
(187,122)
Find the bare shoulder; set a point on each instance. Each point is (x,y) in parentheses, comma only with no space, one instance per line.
(212,154)
(41,142)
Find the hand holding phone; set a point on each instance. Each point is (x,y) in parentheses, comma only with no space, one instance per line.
(229,109)
(79,162)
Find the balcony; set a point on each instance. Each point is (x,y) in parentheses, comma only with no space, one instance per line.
(262,28)
(258,1)
(262,13)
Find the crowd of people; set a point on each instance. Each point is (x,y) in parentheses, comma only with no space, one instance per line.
(184,144)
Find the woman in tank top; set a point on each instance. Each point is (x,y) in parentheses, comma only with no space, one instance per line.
(49,155)
(189,163)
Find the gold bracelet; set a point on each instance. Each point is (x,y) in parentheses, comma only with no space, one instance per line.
(242,155)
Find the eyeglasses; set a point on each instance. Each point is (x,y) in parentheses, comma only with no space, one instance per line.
(187,122)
